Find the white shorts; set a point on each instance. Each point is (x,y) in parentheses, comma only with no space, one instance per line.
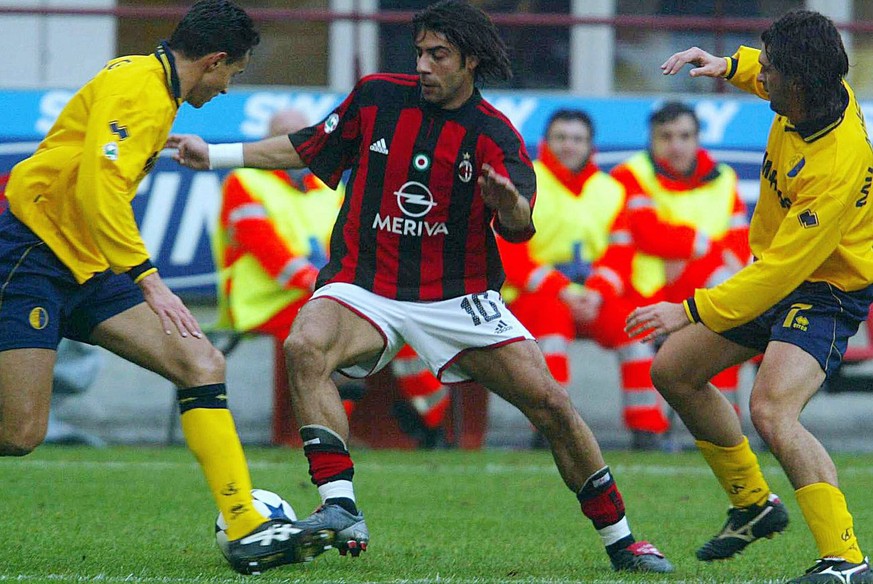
(438,331)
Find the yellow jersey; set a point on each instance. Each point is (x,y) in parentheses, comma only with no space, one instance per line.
(813,218)
(76,189)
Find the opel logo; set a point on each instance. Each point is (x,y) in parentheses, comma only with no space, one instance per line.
(414,199)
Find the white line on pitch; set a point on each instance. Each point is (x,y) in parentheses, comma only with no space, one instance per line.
(425,467)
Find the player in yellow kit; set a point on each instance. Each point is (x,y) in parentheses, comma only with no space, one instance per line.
(73,264)
(798,304)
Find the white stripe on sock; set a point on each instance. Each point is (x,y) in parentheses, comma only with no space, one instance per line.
(336,490)
(612,533)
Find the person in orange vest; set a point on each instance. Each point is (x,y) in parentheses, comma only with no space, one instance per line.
(684,226)
(271,242)
(577,204)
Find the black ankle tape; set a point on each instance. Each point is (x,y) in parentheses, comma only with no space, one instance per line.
(321,439)
(211,397)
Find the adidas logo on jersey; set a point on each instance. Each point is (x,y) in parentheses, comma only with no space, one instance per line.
(502,327)
(379,146)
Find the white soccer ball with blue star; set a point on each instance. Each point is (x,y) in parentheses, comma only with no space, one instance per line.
(267,503)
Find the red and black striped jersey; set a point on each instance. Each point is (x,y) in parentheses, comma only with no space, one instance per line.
(413,225)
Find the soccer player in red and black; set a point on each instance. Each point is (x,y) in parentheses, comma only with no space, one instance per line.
(435,172)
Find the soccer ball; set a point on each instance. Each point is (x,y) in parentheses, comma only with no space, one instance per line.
(267,503)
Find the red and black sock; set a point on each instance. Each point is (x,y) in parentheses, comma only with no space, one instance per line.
(330,466)
(602,504)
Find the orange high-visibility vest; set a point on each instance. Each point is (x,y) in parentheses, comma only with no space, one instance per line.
(568,223)
(303,221)
(708,208)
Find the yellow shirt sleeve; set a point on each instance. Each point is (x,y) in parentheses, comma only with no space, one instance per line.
(117,151)
(807,236)
(743,69)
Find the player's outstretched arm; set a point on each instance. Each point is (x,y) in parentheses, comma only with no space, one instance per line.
(270,153)
(191,151)
(169,307)
(704,64)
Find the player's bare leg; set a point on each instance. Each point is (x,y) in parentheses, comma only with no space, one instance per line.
(25,397)
(136,335)
(325,336)
(198,370)
(685,363)
(681,372)
(787,379)
(517,372)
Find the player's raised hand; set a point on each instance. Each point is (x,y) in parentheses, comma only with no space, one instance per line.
(191,151)
(498,192)
(705,65)
(647,323)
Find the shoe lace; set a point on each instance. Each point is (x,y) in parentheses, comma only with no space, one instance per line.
(744,518)
(644,548)
(823,564)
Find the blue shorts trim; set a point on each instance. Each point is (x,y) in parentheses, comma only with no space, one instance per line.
(816,316)
(40,300)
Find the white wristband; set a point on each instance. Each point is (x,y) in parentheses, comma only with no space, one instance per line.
(226,155)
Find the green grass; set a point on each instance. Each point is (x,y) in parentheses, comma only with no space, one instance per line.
(144,515)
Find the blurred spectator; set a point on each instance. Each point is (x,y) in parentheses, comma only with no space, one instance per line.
(576,206)
(271,242)
(684,227)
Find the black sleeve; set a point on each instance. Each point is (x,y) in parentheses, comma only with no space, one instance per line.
(331,146)
(511,159)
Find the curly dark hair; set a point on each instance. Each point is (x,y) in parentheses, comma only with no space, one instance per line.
(213,26)
(806,48)
(471,31)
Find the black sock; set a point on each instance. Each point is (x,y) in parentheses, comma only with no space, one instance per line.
(620,544)
(343,502)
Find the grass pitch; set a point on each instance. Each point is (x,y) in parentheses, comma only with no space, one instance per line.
(144,515)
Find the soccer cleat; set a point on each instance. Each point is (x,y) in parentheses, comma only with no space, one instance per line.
(837,570)
(743,526)
(275,543)
(640,556)
(350,533)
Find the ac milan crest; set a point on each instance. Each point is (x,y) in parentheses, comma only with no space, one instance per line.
(465,168)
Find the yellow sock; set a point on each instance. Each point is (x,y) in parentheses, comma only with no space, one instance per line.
(738,471)
(211,436)
(824,508)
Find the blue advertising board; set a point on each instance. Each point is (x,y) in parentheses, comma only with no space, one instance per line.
(177,209)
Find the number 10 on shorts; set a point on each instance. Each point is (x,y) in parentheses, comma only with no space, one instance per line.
(479,310)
